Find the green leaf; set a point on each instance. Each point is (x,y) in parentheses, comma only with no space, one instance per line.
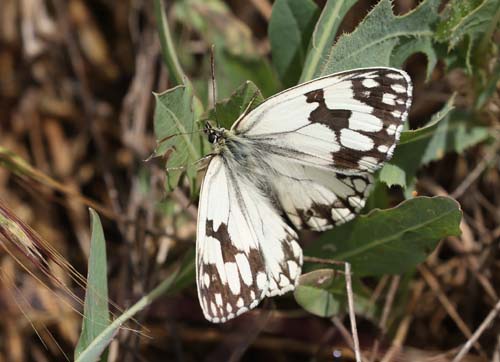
(408,157)
(391,241)
(290,29)
(323,36)
(237,57)
(211,19)
(465,17)
(408,47)
(100,342)
(232,70)
(245,98)
(95,310)
(177,133)
(379,197)
(448,131)
(321,292)
(467,27)
(383,39)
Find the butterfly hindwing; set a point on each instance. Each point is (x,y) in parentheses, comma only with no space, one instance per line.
(245,251)
(317,198)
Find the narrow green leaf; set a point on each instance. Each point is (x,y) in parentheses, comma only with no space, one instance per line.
(290,29)
(186,275)
(323,36)
(375,41)
(391,241)
(466,28)
(95,348)
(408,157)
(465,18)
(237,58)
(95,310)
(211,19)
(167,47)
(245,98)
(177,133)
(490,87)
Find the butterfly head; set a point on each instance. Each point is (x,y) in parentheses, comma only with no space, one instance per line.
(215,135)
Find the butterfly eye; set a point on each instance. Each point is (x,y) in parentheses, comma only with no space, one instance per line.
(213,137)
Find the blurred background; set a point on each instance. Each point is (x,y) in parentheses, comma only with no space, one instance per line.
(76,104)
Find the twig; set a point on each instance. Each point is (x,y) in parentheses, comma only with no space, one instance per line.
(404,325)
(313,259)
(448,306)
(264,7)
(388,303)
(350,298)
(467,244)
(473,339)
(185,203)
(398,339)
(379,289)
(496,353)
(476,172)
(385,314)
(344,332)
(352,316)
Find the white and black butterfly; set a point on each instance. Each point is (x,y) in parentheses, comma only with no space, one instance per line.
(303,157)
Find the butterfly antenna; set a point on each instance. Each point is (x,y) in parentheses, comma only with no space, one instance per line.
(214,87)
(166,138)
(250,104)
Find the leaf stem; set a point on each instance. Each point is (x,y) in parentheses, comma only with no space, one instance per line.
(167,46)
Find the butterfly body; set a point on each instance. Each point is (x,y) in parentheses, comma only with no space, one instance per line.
(303,157)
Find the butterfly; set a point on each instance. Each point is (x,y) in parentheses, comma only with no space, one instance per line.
(302,159)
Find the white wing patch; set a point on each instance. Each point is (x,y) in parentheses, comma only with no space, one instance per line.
(245,250)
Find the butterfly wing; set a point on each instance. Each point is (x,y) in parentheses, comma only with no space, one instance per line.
(348,122)
(245,251)
(324,138)
(317,198)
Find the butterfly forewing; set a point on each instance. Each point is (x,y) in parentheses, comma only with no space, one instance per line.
(245,250)
(348,122)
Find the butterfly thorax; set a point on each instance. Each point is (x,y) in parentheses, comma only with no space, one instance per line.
(227,143)
(237,150)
